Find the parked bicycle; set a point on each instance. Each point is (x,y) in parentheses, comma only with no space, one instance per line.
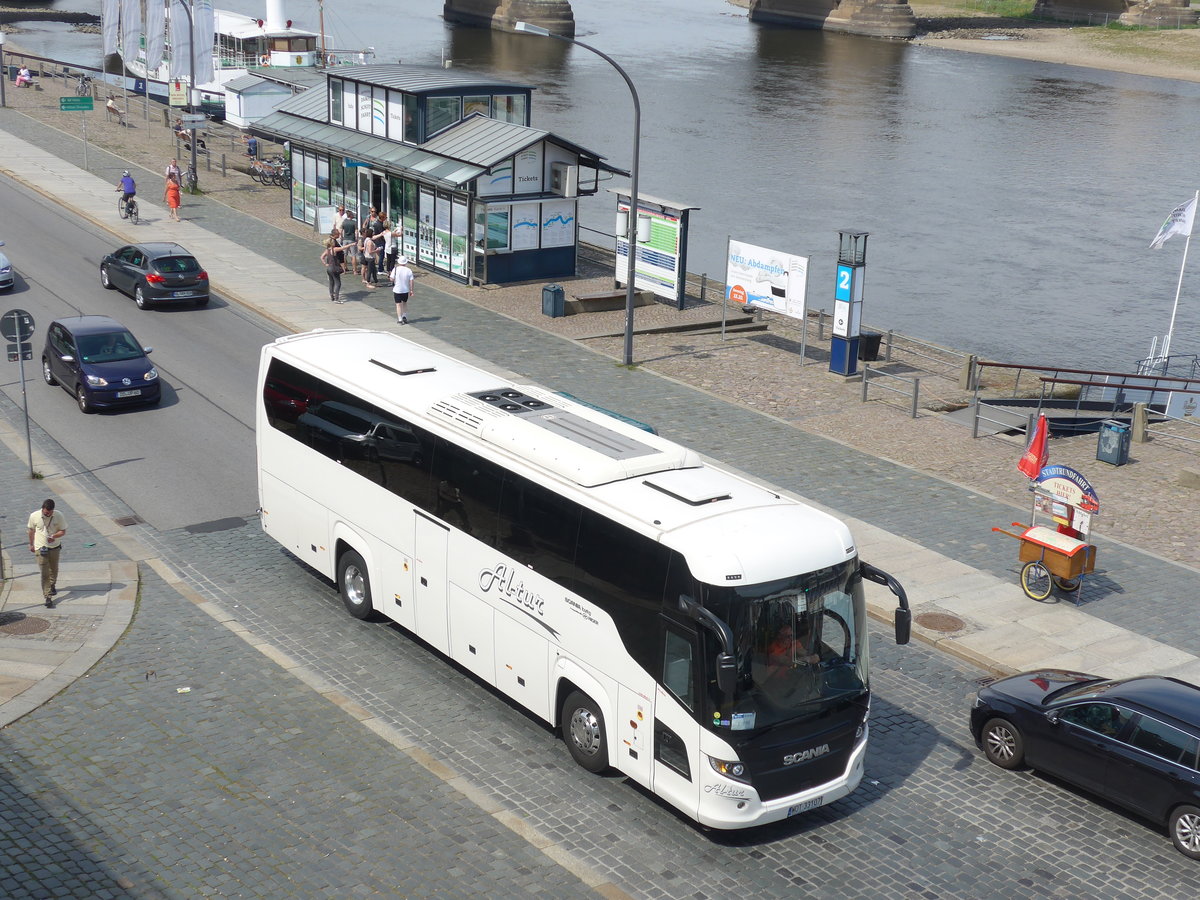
(190,180)
(83,85)
(271,171)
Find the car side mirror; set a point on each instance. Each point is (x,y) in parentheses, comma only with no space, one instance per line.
(1052,717)
(147,350)
(68,358)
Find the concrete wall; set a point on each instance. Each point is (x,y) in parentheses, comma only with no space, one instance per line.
(553,15)
(1157,13)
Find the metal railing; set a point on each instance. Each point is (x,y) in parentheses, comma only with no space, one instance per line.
(1190,421)
(915,381)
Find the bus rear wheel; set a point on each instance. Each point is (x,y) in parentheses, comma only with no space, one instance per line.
(583,731)
(354,584)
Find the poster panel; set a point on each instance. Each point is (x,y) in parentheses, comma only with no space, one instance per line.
(526,226)
(767,279)
(659,258)
(558,223)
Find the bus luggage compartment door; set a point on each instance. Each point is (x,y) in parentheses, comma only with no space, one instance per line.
(430,581)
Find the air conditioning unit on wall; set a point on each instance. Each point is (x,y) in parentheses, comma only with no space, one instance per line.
(564,179)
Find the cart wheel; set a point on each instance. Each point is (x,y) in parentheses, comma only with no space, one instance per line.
(1070,585)
(1035,581)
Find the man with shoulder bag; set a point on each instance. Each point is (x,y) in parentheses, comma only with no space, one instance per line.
(46,528)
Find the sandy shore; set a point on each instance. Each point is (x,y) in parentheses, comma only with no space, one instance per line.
(1162,54)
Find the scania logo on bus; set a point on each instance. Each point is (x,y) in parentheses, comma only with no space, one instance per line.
(805,755)
(503,580)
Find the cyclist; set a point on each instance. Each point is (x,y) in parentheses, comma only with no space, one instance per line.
(127,187)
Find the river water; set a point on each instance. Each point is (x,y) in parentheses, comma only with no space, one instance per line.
(1010,204)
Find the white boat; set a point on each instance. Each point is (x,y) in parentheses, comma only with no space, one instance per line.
(241,45)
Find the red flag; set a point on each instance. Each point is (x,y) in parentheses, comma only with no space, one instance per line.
(1035,454)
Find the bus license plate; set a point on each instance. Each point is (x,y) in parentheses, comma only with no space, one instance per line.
(121,394)
(805,806)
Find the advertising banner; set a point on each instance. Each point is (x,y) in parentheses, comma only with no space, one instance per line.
(766,279)
(658,266)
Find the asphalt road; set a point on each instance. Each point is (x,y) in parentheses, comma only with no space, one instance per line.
(190,460)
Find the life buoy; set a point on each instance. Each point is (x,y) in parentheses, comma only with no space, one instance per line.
(331,59)
(265,59)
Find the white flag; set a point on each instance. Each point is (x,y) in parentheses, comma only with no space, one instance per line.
(131,28)
(155,33)
(181,42)
(1178,222)
(205,26)
(110,22)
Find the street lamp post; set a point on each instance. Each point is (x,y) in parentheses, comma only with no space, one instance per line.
(631,236)
(187,8)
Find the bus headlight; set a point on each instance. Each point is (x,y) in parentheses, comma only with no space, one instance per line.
(735,770)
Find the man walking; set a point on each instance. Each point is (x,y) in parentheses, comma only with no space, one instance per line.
(402,288)
(46,529)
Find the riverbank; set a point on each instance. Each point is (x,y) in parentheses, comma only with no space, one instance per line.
(1161,53)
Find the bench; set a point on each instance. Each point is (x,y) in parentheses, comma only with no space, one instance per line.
(605,301)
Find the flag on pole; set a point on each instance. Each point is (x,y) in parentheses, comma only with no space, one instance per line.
(1031,464)
(1178,222)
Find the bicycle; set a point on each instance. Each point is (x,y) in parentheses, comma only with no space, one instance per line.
(128,209)
(190,180)
(83,85)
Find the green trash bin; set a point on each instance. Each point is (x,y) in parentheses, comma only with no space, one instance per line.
(554,303)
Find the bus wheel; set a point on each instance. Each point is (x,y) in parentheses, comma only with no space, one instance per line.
(354,584)
(583,731)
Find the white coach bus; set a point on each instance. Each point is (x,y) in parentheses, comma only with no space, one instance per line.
(702,633)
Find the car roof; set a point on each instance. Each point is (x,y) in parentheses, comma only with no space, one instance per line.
(90,324)
(157,249)
(1170,696)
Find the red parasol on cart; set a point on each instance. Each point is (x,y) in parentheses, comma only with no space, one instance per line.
(1035,457)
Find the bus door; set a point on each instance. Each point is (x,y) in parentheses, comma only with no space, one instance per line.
(431,581)
(676,731)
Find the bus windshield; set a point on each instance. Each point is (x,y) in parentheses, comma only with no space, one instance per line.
(800,642)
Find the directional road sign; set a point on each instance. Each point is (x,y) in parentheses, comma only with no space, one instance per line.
(74,104)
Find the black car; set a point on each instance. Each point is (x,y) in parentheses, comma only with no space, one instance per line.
(156,273)
(1134,742)
(99,362)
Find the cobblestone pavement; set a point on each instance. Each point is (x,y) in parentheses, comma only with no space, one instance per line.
(124,779)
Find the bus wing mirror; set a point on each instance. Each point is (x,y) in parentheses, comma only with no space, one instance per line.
(726,672)
(903,613)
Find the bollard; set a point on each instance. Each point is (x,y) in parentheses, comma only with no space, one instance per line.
(916,395)
(866,375)
(887,353)
(223,173)
(821,325)
(1139,423)
(703,286)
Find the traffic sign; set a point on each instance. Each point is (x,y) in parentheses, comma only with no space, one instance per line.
(349,163)
(198,118)
(24,350)
(74,104)
(17,325)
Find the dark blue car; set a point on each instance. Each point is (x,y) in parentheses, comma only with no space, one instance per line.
(98,361)
(1134,742)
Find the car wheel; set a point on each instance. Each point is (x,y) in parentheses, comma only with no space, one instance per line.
(47,374)
(1185,831)
(1002,744)
(81,397)
(583,731)
(104,279)
(140,298)
(354,584)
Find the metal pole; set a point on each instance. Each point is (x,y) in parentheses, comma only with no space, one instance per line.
(1166,350)
(3,72)
(627,358)
(187,8)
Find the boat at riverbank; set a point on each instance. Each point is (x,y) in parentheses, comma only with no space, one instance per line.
(242,45)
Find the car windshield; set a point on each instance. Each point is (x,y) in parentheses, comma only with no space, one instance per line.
(801,643)
(111,347)
(172,264)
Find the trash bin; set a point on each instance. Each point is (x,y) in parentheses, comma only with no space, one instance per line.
(553,302)
(1113,444)
(868,345)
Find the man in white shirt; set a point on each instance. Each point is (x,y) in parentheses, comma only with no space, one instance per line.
(46,528)
(402,288)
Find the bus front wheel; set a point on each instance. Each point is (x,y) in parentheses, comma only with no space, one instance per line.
(583,731)
(354,584)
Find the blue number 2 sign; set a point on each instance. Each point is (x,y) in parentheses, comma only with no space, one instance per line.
(845,283)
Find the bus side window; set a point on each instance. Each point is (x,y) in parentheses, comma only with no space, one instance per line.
(677,674)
